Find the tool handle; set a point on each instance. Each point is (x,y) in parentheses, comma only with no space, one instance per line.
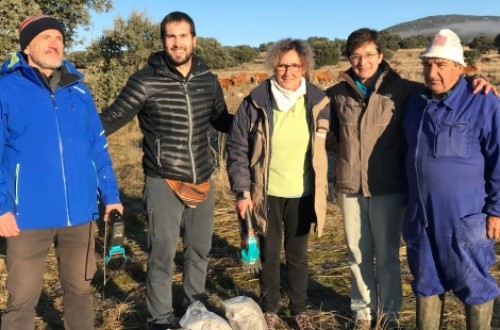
(248,219)
(115,215)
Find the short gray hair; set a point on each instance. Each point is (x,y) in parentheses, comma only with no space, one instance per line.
(302,47)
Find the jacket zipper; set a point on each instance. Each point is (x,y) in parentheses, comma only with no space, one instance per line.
(16,198)
(418,168)
(61,154)
(190,130)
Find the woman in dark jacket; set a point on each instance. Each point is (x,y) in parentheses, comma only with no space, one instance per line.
(277,166)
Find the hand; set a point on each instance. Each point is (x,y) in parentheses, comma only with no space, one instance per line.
(481,84)
(111,207)
(242,205)
(493,227)
(8,225)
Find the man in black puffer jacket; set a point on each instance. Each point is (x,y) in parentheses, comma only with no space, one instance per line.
(176,99)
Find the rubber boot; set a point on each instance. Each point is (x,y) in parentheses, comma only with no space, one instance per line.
(478,317)
(430,312)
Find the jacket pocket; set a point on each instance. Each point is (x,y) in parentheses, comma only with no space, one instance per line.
(472,231)
(451,140)
(158,151)
(257,138)
(343,171)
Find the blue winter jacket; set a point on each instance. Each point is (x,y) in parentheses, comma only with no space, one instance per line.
(54,155)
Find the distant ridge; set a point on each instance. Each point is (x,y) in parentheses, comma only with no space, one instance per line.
(466,26)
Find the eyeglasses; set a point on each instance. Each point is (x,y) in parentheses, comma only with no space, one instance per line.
(292,67)
(356,58)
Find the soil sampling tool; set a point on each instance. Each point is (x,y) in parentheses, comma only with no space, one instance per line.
(114,238)
(250,253)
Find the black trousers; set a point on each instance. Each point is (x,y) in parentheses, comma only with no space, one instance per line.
(290,218)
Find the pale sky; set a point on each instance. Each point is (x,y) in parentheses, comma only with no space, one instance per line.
(252,22)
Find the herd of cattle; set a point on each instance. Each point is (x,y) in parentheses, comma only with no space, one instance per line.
(320,77)
(242,78)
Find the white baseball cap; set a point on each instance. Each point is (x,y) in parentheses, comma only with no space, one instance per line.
(446,44)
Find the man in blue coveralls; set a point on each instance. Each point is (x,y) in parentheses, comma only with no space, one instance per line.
(452,161)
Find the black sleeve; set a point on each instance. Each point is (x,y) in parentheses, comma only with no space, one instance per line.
(220,119)
(128,104)
(238,150)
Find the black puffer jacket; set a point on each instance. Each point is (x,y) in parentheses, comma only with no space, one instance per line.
(174,114)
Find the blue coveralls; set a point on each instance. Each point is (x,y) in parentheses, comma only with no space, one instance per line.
(452,163)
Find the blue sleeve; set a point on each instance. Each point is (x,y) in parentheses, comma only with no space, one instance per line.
(108,186)
(6,193)
(491,150)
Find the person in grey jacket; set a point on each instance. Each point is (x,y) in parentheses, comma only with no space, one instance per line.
(277,167)
(177,100)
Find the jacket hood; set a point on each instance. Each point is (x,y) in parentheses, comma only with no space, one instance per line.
(17,64)
(15,60)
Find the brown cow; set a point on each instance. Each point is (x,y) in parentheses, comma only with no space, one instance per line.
(226,83)
(240,79)
(258,77)
(322,77)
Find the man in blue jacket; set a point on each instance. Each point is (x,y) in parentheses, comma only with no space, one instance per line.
(453,186)
(54,164)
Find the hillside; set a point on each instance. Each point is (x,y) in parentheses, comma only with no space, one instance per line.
(466,26)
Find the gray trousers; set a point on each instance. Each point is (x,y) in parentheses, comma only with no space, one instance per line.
(373,233)
(26,259)
(168,219)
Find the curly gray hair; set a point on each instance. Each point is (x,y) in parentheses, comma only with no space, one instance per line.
(302,47)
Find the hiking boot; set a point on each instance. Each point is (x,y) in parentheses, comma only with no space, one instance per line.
(272,319)
(303,322)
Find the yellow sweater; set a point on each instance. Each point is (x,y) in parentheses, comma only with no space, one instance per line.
(290,171)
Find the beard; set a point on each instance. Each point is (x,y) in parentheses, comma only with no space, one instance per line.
(179,61)
(45,61)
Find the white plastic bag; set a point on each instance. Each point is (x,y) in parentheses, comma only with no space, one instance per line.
(243,313)
(197,317)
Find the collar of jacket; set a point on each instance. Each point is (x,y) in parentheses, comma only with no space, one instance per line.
(388,74)
(17,64)
(452,98)
(261,95)
(161,64)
